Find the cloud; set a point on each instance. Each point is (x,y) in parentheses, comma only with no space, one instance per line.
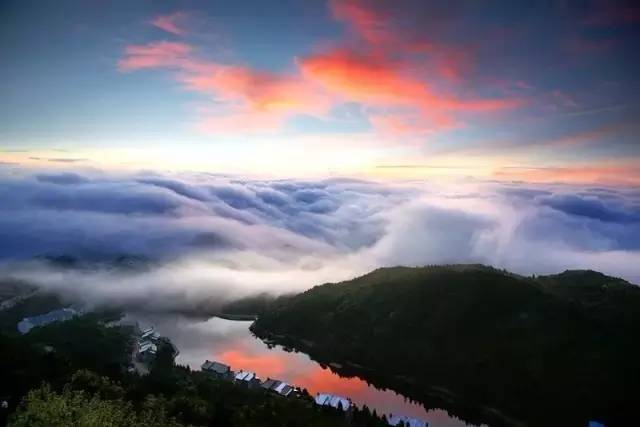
(374,72)
(59,159)
(401,89)
(155,55)
(172,23)
(62,178)
(246,99)
(212,238)
(620,173)
(594,206)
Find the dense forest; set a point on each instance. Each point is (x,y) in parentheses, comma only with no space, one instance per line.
(500,348)
(78,373)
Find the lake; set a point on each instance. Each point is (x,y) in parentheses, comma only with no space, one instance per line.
(232,343)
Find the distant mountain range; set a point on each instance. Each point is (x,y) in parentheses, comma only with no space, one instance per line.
(490,345)
(124,262)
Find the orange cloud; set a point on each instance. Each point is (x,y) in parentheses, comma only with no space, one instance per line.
(376,79)
(261,90)
(254,100)
(381,34)
(360,77)
(398,89)
(395,71)
(171,23)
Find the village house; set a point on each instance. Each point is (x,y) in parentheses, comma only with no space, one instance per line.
(338,402)
(395,420)
(247,379)
(147,351)
(284,389)
(147,345)
(270,383)
(220,370)
(149,334)
(279,387)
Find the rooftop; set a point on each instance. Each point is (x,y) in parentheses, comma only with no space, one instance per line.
(338,402)
(270,384)
(394,420)
(148,347)
(284,389)
(216,367)
(245,376)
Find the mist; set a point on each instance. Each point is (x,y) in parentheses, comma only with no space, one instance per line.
(203,240)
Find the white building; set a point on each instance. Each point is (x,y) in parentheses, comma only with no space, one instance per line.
(218,369)
(338,402)
(395,420)
(246,378)
(147,351)
(283,389)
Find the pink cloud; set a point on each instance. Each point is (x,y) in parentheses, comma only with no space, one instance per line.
(401,89)
(616,174)
(171,23)
(374,71)
(261,91)
(378,80)
(154,55)
(253,100)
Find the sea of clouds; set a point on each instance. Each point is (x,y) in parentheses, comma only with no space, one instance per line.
(211,238)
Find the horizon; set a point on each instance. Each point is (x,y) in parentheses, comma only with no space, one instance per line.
(366,89)
(286,145)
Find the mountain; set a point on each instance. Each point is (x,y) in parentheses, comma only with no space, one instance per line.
(495,346)
(125,263)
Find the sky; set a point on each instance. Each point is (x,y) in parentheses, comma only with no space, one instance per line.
(258,146)
(545,92)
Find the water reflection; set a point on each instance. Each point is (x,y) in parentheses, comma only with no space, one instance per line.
(231,342)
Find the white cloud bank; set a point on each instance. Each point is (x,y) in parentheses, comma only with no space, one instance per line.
(213,238)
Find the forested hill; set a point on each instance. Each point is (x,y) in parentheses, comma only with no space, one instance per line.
(513,350)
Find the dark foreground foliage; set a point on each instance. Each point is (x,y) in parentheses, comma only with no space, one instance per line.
(76,373)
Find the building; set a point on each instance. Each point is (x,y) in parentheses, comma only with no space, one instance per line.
(147,351)
(338,402)
(277,386)
(149,334)
(60,315)
(247,379)
(395,420)
(218,369)
(147,345)
(283,389)
(270,384)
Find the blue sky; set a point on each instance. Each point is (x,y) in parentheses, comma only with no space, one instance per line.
(547,92)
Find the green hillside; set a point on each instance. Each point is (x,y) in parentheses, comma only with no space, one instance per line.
(488,344)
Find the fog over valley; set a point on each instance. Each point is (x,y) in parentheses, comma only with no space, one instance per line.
(181,241)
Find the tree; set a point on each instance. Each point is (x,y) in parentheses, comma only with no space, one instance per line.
(45,408)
